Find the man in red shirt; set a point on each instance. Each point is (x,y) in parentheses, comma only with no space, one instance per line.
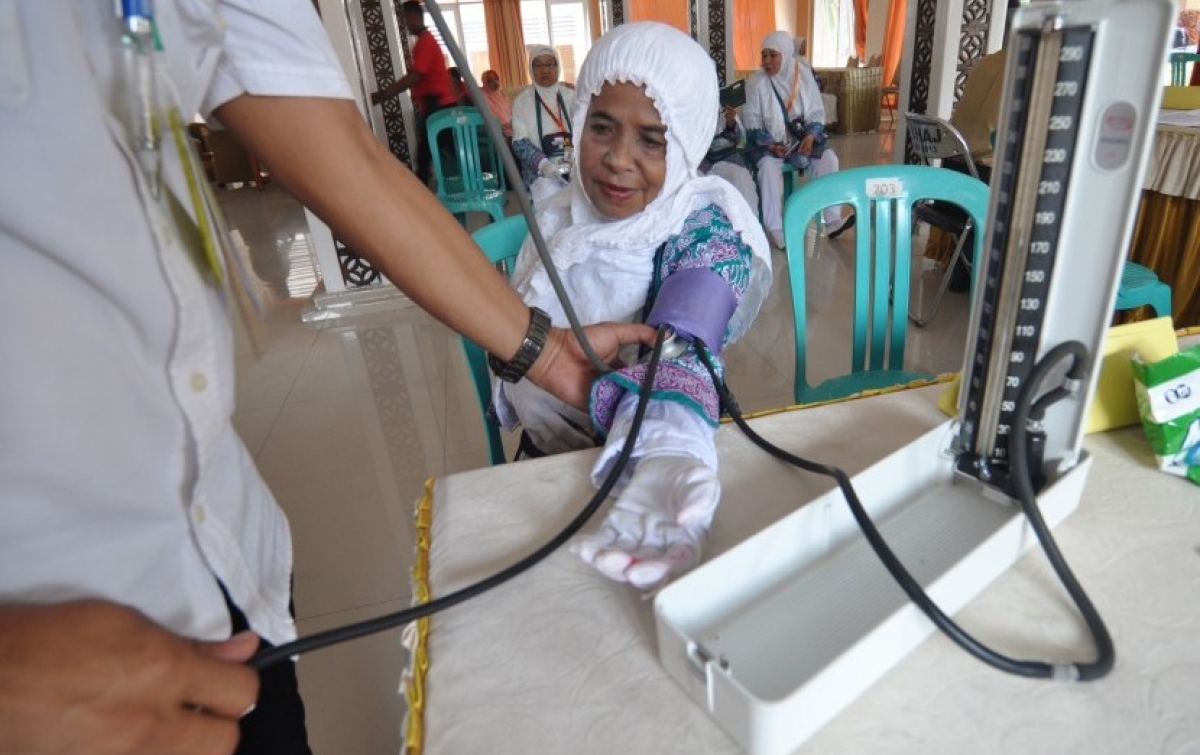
(427,78)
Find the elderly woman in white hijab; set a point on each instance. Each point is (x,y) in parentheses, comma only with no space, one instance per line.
(543,133)
(785,121)
(639,235)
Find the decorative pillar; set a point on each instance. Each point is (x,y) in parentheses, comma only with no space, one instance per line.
(368,38)
(943,39)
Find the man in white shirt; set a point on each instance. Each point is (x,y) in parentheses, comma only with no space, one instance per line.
(131,516)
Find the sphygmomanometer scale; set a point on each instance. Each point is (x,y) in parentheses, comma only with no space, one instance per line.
(776,636)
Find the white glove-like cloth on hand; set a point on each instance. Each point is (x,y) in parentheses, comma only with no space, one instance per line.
(548,168)
(659,523)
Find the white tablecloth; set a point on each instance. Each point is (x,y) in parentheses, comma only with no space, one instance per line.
(563,661)
(1174,165)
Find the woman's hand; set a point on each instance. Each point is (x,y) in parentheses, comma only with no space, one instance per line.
(730,117)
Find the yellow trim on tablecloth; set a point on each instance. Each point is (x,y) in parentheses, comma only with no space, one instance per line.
(418,662)
(943,378)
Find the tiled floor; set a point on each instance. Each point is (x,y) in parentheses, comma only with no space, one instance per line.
(348,419)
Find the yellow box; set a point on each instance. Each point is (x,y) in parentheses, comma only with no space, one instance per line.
(1181,98)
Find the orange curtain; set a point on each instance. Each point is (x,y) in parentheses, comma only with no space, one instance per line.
(506,41)
(751,21)
(860,29)
(893,40)
(673,12)
(597,24)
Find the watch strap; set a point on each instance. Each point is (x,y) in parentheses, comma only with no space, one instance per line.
(531,347)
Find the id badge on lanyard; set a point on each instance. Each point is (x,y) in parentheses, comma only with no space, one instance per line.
(555,145)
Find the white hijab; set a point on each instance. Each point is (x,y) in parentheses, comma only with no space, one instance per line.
(762,110)
(525,105)
(607,265)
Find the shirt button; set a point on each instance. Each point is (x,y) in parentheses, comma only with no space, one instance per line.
(198,513)
(199,382)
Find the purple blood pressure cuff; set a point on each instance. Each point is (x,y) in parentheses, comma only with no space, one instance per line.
(697,302)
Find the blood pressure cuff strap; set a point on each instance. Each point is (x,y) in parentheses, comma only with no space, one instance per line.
(697,302)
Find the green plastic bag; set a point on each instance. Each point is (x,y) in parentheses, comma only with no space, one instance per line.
(1168,397)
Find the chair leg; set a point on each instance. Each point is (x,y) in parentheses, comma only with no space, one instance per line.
(922,320)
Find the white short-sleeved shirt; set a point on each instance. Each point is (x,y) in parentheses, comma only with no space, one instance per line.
(121,476)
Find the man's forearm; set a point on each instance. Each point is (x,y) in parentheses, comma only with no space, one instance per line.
(396,87)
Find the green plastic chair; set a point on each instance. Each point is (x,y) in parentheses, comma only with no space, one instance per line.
(1140,286)
(500,241)
(883,197)
(1179,61)
(474,180)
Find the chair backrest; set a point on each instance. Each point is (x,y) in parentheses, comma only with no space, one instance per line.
(882,196)
(500,241)
(1179,61)
(935,139)
(477,169)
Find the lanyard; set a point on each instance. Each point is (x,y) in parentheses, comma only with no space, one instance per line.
(563,128)
(787,109)
(208,223)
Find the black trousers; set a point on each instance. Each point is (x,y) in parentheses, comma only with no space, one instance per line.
(424,155)
(276,725)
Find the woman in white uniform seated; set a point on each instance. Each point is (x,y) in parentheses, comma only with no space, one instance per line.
(726,157)
(785,121)
(541,120)
(639,235)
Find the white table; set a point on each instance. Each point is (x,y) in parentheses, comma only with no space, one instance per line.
(564,661)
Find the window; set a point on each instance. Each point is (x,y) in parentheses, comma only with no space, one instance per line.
(466,21)
(833,33)
(562,24)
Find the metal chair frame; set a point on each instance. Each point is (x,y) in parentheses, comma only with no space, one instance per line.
(935,140)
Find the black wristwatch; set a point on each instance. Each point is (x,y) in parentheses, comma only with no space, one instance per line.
(535,338)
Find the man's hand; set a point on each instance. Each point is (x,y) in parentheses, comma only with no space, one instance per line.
(89,676)
(730,117)
(565,371)
(778,150)
(806,146)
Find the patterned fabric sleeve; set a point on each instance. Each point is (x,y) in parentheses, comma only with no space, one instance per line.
(816,130)
(529,158)
(757,141)
(707,240)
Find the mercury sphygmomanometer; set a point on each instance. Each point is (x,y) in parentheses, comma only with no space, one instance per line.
(1080,91)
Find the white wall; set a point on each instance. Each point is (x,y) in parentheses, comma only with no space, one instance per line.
(877,15)
(785,15)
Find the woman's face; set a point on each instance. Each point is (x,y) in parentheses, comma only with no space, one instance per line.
(623,154)
(545,70)
(771,61)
